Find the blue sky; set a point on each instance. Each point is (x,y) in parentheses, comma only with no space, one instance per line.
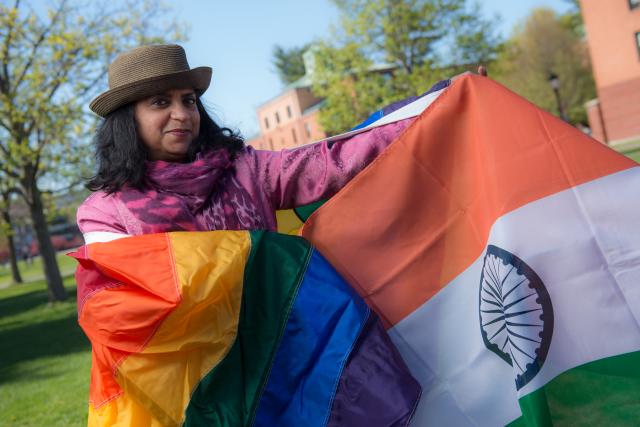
(236,39)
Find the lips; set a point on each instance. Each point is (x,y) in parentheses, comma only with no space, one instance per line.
(180,132)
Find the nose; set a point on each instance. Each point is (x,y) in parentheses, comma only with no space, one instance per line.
(179,112)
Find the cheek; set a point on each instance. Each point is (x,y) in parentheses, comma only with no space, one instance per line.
(147,127)
(151,129)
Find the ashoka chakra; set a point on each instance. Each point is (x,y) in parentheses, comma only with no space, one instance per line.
(516,316)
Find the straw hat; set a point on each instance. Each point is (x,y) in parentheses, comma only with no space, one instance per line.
(146,71)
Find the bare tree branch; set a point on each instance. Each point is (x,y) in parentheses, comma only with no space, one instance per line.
(8,171)
(91,86)
(6,126)
(67,188)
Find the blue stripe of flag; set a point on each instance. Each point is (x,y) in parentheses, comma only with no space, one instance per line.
(324,323)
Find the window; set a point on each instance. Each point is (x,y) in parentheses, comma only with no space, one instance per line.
(277,117)
(307,129)
(633,4)
(266,122)
(638,41)
(293,134)
(289,109)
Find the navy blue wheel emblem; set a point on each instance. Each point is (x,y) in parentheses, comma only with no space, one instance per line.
(516,316)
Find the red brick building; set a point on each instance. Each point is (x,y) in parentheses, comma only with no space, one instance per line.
(613,35)
(290,119)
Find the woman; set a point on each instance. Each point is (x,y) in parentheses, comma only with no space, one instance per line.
(165,165)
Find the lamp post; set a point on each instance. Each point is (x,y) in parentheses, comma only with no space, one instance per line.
(555,85)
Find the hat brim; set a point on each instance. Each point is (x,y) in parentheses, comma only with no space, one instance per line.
(197,78)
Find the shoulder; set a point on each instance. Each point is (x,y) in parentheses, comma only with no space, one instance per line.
(97,200)
(247,152)
(98,213)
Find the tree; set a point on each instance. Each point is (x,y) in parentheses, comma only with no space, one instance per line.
(289,63)
(6,228)
(50,66)
(572,19)
(390,49)
(545,44)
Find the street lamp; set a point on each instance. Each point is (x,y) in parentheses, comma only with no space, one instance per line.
(555,85)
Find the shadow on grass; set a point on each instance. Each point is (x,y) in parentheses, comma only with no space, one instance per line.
(34,341)
(20,303)
(22,342)
(27,300)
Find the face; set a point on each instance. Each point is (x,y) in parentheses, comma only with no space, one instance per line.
(167,123)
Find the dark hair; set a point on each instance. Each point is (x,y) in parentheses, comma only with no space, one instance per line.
(121,156)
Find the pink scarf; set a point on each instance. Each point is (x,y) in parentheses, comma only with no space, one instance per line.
(188,196)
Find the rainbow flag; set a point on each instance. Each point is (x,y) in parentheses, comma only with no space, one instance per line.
(501,249)
(233,329)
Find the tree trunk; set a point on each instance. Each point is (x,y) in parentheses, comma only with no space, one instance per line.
(15,272)
(51,270)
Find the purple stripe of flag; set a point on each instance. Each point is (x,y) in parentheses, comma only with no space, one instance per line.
(376,388)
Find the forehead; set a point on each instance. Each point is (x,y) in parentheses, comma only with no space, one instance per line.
(176,92)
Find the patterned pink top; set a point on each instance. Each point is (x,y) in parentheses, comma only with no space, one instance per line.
(213,193)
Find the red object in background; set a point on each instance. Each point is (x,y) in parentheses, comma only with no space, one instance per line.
(59,242)
(63,236)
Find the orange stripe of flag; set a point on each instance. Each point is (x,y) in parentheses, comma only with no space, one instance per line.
(120,319)
(421,213)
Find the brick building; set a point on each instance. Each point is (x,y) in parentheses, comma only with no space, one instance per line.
(289,119)
(613,35)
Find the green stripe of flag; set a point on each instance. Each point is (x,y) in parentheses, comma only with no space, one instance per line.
(304,212)
(601,393)
(263,315)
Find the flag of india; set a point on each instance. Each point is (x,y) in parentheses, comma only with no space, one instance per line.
(501,247)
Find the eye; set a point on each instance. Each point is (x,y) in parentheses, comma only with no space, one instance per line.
(159,102)
(190,100)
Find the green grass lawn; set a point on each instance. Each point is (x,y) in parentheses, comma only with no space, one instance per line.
(44,358)
(634,154)
(630,149)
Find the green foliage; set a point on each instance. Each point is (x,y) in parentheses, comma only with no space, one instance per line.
(541,46)
(572,20)
(390,49)
(51,65)
(349,96)
(289,63)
